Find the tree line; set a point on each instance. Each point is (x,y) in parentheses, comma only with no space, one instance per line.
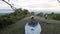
(54,16)
(11,18)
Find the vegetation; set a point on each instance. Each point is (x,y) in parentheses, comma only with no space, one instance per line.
(32,13)
(13,17)
(52,15)
(18,28)
(40,14)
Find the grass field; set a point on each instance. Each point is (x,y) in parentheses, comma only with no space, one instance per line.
(50,28)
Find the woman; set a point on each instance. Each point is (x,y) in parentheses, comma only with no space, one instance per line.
(32,27)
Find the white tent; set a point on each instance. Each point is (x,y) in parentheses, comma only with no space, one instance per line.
(32,30)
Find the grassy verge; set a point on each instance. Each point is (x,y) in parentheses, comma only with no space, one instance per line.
(14,29)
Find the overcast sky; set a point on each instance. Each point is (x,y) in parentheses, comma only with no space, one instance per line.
(33,4)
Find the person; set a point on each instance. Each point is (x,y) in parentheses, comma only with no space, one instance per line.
(46,16)
(32,22)
(32,27)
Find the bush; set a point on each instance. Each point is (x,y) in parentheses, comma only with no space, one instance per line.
(13,17)
(54,16)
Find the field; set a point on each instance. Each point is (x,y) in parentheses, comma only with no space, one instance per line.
(48,26)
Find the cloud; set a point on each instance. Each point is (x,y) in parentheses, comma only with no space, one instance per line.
(3,5)
(34,4)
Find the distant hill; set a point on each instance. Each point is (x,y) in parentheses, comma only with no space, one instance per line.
(5,11)
(3,14)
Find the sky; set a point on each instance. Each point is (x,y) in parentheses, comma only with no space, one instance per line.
(33,4)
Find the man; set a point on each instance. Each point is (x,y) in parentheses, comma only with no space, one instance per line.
(32,27)
(46,16)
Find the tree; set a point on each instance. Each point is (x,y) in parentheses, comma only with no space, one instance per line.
(32,13)
(40,14)
(52,13)
(58,1)
(25,11)
(9,4)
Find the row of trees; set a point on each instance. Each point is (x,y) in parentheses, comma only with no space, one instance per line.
(40,14)
(54,16)
(13,17)
(50,16)
(18,14)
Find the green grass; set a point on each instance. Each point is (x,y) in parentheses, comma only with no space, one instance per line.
(54,16)
(50,28)
(17,29)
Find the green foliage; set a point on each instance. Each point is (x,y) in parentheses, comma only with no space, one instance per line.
(50,16)
(40,14)
(54,16)
(13,17)
(32,13)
